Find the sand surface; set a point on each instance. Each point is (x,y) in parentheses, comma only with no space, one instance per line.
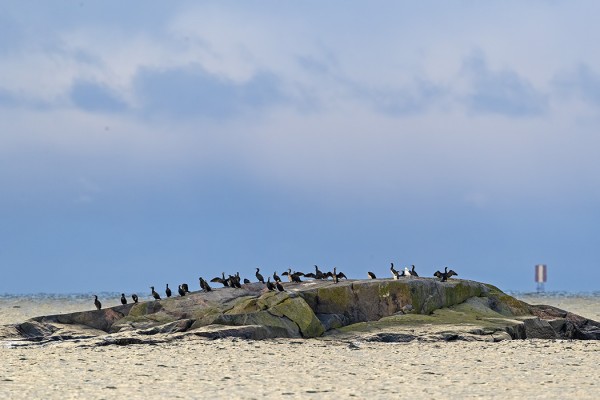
(229,368)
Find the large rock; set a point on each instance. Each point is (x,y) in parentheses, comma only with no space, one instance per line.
(382,309)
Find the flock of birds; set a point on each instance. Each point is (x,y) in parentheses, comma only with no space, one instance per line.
(235,281)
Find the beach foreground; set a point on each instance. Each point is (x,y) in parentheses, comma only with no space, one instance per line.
(302,368)
(233,368)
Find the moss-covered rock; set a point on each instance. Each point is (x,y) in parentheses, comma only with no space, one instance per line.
(297,310)
(385,308)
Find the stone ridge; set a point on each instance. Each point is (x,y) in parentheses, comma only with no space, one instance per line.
(381,308)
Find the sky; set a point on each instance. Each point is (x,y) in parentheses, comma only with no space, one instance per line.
(151,142)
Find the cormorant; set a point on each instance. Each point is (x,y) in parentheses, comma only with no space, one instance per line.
(406,272)
(259,276)
(333,275)
(395,274)
(371,275)
(336,276)
(181,291)
(234,281)
(445,275)
(134,297)
(168,291)
(223,281)
(123,299)
(317,275)
(97,303)
(154,294)
(204,285)
(279,286)
(413,272)
(270,285)
(246,280)
(276,277)
(293,277)
(185,287)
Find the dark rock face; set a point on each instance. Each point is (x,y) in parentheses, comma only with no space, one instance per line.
(381,309)
(568,325)
(539,329)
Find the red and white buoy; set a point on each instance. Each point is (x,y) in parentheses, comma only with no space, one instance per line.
(540,276)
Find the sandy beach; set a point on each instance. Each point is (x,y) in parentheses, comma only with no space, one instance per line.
(315,368)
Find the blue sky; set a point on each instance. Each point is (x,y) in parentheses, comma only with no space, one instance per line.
(155,142)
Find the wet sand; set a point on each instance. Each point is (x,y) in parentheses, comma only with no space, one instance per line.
(316,368)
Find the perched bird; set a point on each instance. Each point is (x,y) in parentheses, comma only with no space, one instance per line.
(123,299)
(154,294)
(223,281)
(234,281)
(293,277)
(168,291)
(134,297)
(181,291)
(97,303)
(336,276)
(185,287)
(259,276)
(279,286)
(276,277)
(406,272)
(413,272)
(246,280)
(204,285)
(395,274)
(317,275)
(270,285)
(445,275)
(371,275)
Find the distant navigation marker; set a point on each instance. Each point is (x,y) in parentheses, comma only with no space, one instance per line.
(540,276)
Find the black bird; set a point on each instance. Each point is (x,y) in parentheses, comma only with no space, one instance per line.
(97,303)
(134,298)
(270,285)
(279,286)
(185,287)
(293,277)
(154,294)
(445,275)
(336,276)
(371,275)
(204,285)
(123,299)
(246,280)
(168,291)
(317,275)
(395,274)
(276,277)
(223,281)
(234,281)
(181,291)
(413,272)
(259,276)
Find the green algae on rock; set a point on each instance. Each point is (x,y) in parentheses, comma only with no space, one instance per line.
(383,309)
